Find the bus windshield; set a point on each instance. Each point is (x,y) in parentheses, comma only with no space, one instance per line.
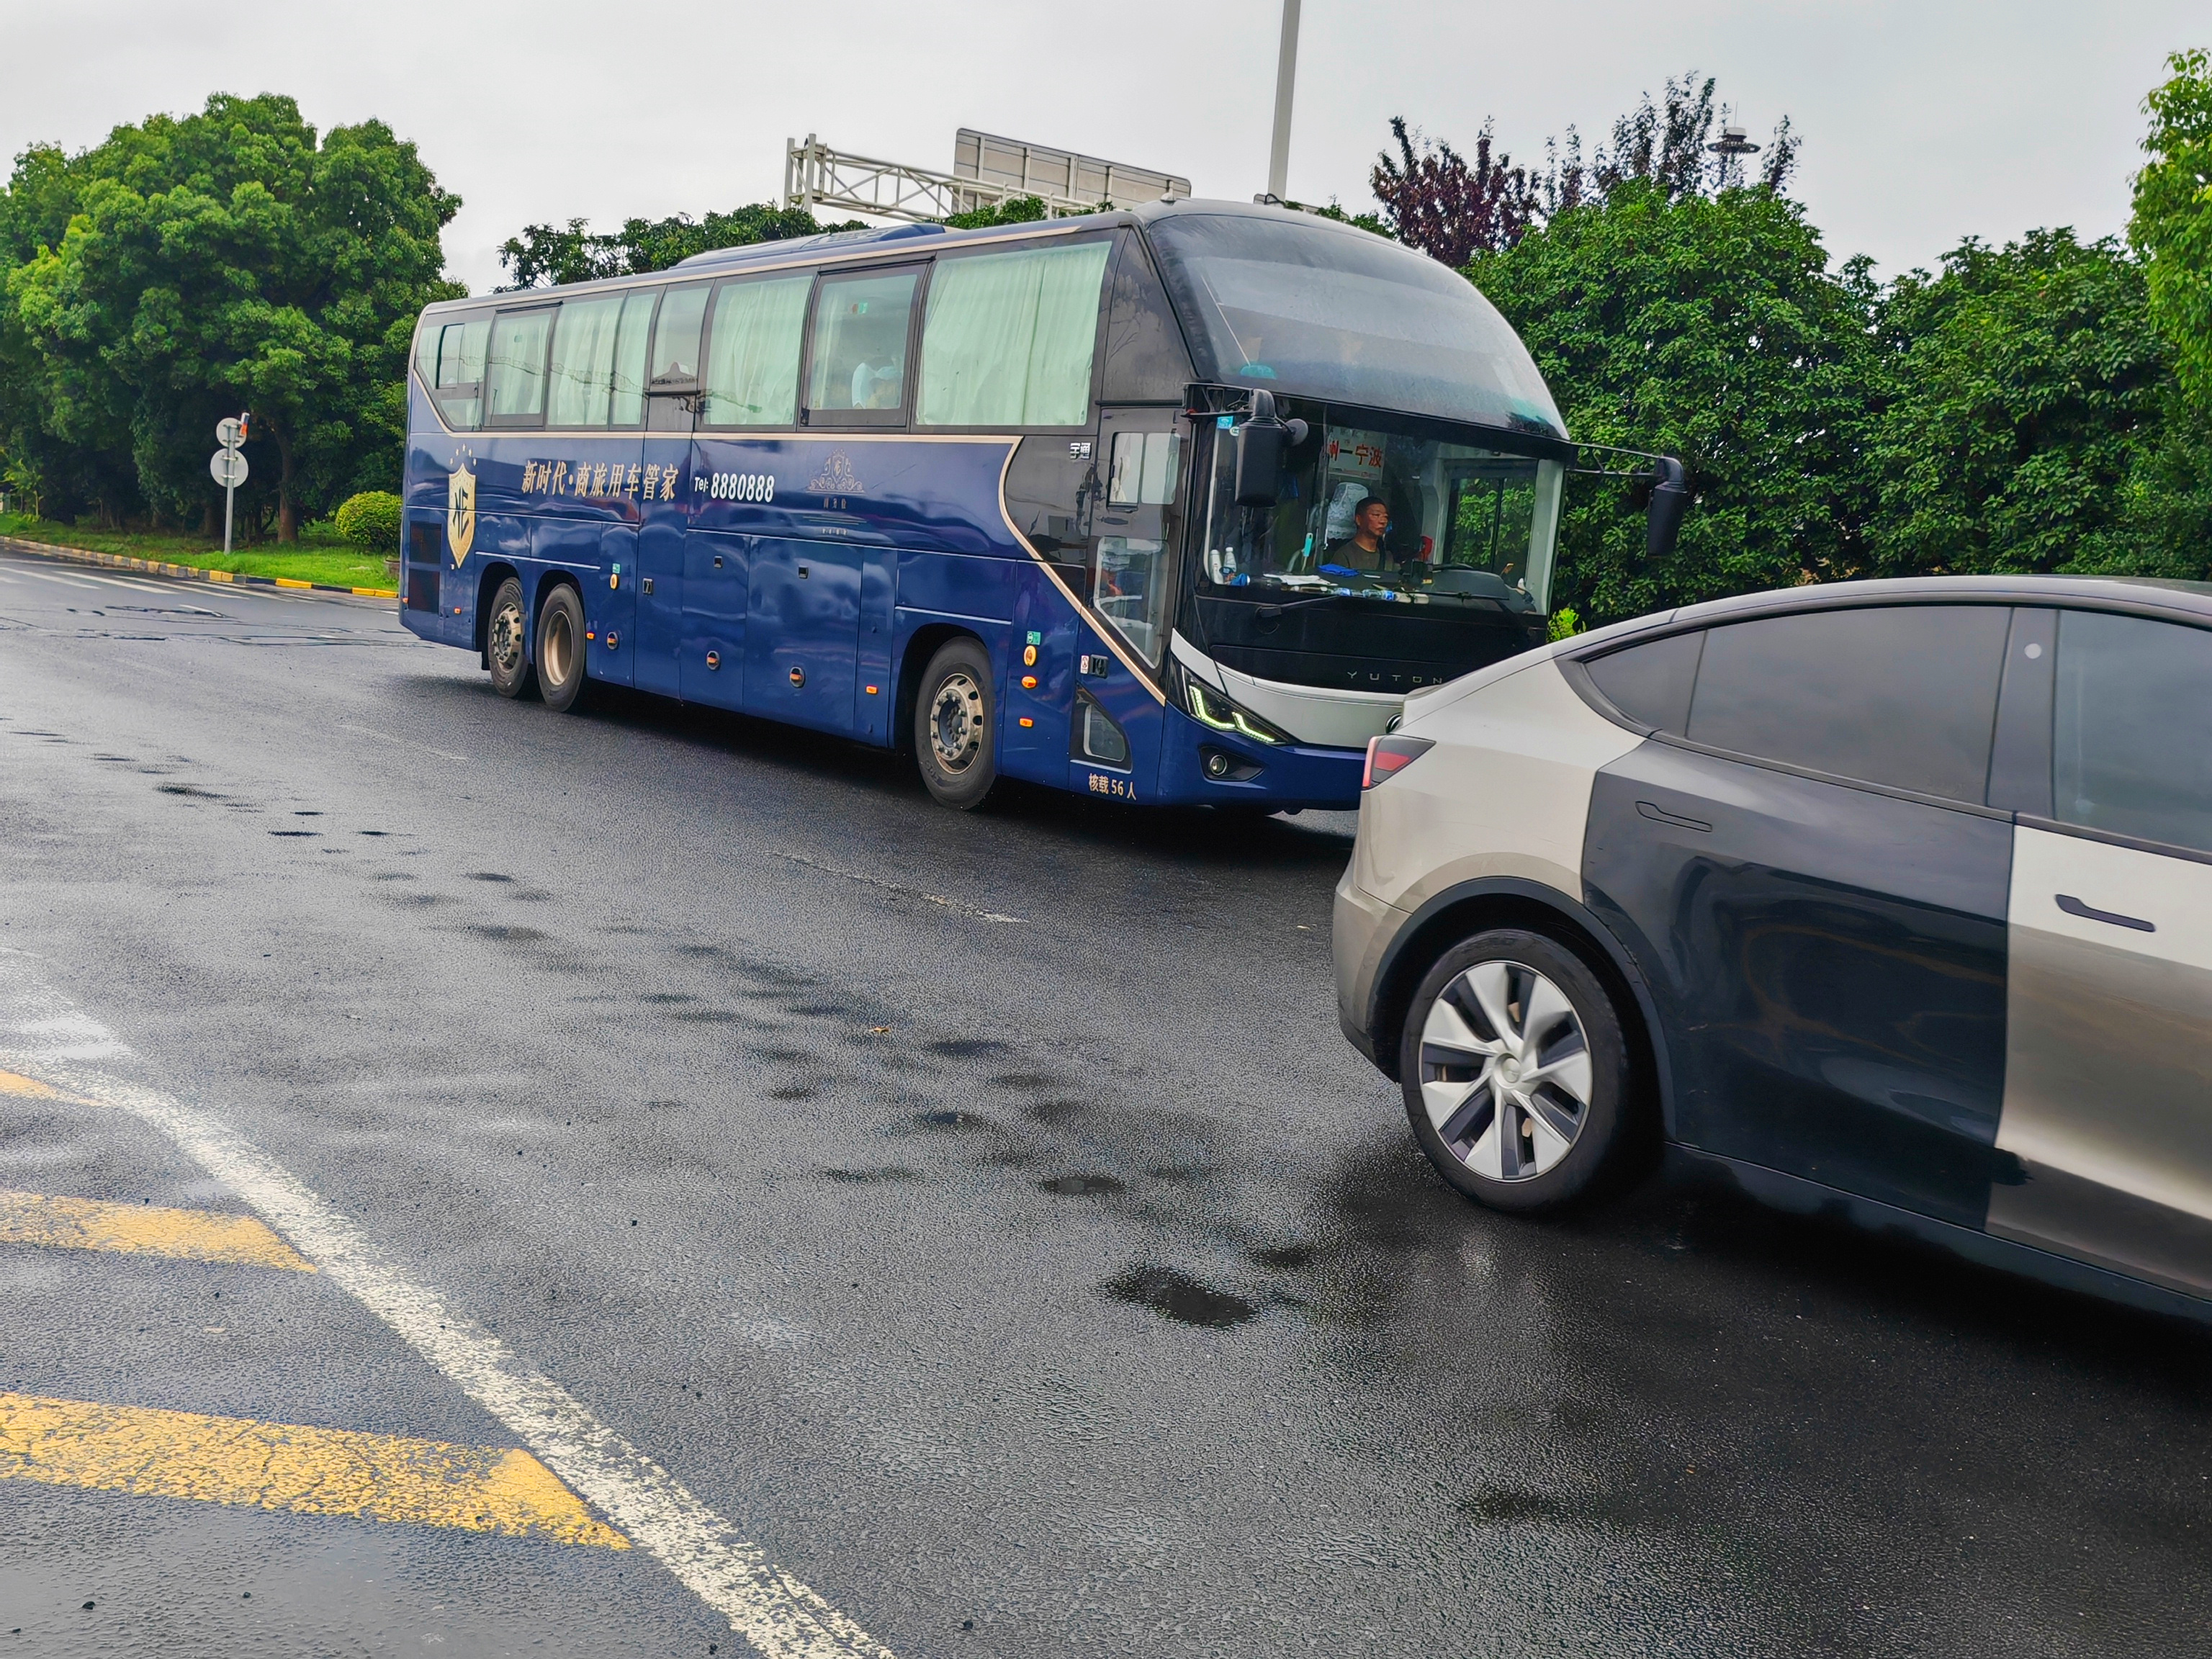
(1408,556)
(1308,306)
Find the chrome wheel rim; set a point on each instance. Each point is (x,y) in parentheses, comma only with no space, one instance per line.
(504,642)
(955,721)
(1506,1071)
(558,650)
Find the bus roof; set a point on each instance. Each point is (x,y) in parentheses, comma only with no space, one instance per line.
(1267,297)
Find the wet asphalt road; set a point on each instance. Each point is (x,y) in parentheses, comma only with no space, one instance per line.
(982,1212)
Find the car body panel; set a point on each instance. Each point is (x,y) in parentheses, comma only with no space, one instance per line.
(1831,961)
(2108,1076)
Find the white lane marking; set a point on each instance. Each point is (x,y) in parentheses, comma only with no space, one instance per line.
(43,1036)
(405,743)
(57,576)
(895,887)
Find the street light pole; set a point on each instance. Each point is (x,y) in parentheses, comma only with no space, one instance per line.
(1287,76)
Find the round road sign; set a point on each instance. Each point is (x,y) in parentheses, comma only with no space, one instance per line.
(229,467)
(230,432)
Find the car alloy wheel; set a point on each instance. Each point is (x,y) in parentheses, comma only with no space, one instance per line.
(1506,1071)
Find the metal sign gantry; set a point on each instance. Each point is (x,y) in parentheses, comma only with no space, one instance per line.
(986,170)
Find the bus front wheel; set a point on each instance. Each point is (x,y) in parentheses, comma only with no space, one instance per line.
(953,736)
(507,632)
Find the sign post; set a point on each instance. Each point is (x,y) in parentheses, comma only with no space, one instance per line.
(228,468)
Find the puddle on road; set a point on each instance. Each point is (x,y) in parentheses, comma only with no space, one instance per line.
(190,790)
(951,1120)
(966,1048)
(1078,1186)
(1175,1294)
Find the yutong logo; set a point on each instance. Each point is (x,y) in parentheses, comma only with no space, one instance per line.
(1377,679)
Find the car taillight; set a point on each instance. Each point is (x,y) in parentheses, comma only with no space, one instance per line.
(1388,757)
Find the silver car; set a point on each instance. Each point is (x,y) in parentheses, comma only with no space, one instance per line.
(1892,899)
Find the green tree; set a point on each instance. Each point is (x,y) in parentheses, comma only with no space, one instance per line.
(547,255)
(1708,327)
(2022,428)
(2172,226)
(223,261)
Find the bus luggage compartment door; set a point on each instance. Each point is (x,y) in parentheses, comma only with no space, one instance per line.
(802,633)
(711,648)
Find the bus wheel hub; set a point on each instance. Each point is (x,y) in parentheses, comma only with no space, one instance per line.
(955,721)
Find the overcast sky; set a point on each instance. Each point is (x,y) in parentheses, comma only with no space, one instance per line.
(1922,122)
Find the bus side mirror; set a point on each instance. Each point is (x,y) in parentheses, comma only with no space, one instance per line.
(1670,499)
(1263,443)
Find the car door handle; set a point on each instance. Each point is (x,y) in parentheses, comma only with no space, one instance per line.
(2073,907)
(1661,814)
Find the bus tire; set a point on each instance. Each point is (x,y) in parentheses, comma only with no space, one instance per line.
(954,734)
(561,649)
(507,635)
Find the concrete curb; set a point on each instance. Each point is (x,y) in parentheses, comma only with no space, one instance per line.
(191,573)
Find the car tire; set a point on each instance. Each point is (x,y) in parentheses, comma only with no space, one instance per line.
(507,635)
(1515,1071)
(562,650)
(955,737)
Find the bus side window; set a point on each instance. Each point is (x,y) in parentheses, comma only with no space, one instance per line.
(752,351)
(450,360)
(859,357)
(1010,337)
(1143,469)
(584,362)
(515,368)
(675,360)
(627,405)
(1146,362)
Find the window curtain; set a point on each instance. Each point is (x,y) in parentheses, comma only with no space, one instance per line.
(518,353)
(583,362)
(1009,337)
(752,353)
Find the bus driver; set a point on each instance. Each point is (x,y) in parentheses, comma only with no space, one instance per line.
(1363,550)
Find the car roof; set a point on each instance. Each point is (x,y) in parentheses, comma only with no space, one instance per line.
(2182,600)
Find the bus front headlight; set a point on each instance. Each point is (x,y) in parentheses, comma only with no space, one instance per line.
(1212,707)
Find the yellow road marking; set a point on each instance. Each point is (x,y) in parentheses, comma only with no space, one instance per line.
(90,1223)
(292,581)
(283,1466)
(11,1083)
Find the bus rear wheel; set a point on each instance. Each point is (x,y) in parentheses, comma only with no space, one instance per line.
(561,649)
(954,739)
(507,632)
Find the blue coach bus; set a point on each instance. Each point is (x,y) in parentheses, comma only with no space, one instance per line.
(1167,504)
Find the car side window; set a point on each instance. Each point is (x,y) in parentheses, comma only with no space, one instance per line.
(1901,695)
(2129,751)
(1651,683)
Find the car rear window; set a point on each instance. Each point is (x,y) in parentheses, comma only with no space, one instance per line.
(1902,696)
(1650,683)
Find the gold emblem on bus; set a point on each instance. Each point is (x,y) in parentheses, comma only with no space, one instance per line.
(837,477)
(461,508)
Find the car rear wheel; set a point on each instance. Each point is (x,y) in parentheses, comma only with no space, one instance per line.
(1515,1071)
(953,739)
(560,648)
(507,633)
